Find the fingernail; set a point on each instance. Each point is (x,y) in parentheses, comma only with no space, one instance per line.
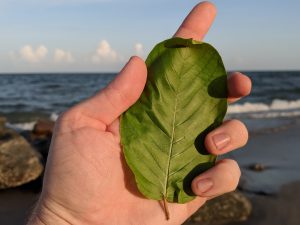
(204,185)
(221,140)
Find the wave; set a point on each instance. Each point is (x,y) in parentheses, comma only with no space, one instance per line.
(277,108)
(276,104)
(28,126)
(21,126)
(54,116)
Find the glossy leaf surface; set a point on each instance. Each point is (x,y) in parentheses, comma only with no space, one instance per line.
(162,134)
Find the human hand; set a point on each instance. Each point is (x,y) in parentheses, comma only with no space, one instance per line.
(87,180)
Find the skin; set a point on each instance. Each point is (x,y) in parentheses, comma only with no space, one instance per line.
(87,180)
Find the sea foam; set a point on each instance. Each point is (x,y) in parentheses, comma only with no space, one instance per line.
(21,126)
(277,108)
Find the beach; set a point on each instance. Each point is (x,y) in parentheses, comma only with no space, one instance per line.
(278,209)
(269,162)
(273,192)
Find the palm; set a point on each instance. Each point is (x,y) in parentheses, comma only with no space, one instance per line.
(90,168)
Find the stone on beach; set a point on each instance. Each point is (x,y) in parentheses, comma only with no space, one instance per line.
(40,137)
(19,162)
(2,122)
(258,167)
(43,127)
(231,207)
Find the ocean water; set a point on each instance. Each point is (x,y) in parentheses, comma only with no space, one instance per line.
(274,101)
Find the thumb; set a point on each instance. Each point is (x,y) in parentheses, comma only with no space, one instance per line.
(108,104)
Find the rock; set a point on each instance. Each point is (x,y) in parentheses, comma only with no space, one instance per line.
(2,122)
(231,207)
(43,127)
(41,143)
(258,167)
(6,134)
(19,162)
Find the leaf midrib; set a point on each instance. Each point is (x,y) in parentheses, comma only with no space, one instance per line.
(173,132)
(170,149)
(174,122)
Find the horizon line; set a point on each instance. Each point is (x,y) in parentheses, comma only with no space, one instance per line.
(116,72)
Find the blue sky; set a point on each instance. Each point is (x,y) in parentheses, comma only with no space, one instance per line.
(100,35)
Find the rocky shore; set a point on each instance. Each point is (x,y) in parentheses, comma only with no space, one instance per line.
(23,155)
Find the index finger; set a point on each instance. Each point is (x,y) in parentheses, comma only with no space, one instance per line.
(198,22)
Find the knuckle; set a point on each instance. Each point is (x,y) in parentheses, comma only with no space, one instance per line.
(68,115)
(111,92)
(67,118)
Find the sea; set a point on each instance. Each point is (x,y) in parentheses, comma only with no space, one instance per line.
(273,105)
(25,98)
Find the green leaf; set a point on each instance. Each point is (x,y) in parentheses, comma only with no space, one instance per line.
(163,133)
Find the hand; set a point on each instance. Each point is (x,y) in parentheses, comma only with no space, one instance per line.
(87,180)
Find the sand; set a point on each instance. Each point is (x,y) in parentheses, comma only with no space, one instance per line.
(282,209)
(16,205)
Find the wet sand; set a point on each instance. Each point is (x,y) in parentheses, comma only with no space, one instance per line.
(280,209)
(278,151)
(283,208)
(16,205)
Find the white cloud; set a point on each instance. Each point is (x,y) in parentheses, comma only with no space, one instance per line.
(33,56)
(63,56)
(105,53)
(139,49)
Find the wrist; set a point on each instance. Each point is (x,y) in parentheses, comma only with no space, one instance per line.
(49,213)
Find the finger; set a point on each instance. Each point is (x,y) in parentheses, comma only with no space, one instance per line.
(119,95)
(198,22)
(239,85)
(231,135)
(220,179)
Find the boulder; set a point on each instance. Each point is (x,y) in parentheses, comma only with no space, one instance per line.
(231,207)
(43,127)
(19,162)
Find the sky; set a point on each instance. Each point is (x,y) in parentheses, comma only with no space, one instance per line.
(101,35)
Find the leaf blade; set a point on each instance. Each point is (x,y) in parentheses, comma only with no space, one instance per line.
(179,70)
